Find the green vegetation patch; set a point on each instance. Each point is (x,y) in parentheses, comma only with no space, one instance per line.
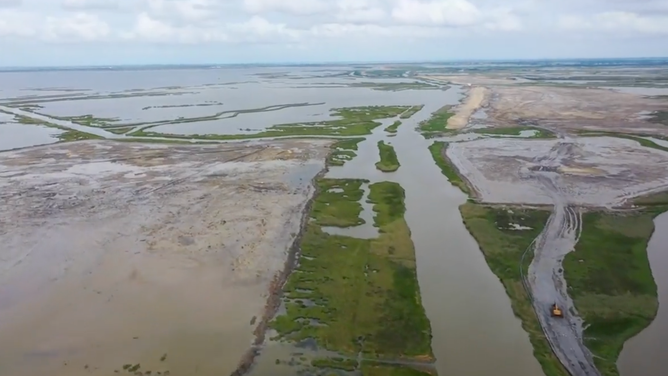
(396,86)
(378,369)
(516,131)
(335,363)
(412,111)
(67,135)
(353,295)
(503,246)
(394,127)
(611,283)
(388,158)
(338,202)
(343,151)
(88,120)
(353,121)
(438,121)
(437,150)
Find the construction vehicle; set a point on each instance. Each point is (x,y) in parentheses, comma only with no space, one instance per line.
(556,311)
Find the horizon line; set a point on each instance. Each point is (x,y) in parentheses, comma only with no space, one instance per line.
(296,63)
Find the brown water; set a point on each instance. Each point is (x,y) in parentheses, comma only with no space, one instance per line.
(645,354)
(475,332)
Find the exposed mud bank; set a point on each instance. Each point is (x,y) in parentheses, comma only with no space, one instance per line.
(276,286)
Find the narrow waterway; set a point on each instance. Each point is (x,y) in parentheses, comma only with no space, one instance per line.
(475,332)
(645,354)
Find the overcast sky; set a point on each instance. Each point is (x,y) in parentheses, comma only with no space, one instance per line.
(92,32)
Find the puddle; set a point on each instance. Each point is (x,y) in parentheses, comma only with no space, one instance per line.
(645,354)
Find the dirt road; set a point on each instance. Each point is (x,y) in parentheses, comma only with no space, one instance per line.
(546,278)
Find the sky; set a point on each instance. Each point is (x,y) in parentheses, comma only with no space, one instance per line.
(110,32)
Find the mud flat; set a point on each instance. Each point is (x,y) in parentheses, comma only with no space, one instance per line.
(476,97)
(144,257)
(592,171)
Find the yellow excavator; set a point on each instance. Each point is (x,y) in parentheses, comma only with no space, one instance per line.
(556,311)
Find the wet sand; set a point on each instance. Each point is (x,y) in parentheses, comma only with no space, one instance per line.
(161,256)
(645,354)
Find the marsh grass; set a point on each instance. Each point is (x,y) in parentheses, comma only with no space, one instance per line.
(342,151)
(353,121)
(378,369)
(611,282)
(388,158)
(394,127)
(67,135)
(363,291)
(347,194)
(438,121)
(411,111)
(395,86)
(437,150)
(335,363)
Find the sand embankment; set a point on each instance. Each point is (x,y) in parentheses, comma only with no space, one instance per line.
(476,97)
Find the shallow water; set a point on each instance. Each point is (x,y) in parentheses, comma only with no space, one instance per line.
(640,90)
(645,354)
(15,135)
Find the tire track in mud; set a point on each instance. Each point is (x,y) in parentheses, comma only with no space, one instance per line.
(545,277)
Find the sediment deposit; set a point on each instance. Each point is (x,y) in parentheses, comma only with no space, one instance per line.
(143,254)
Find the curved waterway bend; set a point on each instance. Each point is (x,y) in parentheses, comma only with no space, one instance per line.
(645,354)
(475,332)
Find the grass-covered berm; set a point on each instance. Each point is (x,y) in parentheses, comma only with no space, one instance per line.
(358,296)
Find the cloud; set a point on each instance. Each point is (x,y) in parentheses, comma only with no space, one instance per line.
(440,12)
(360,11)
(17,24)
(185,10)
(10,3)
(148,29)
(224,28)
(295,7)
(616,22)
(79,27)
(91,4)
